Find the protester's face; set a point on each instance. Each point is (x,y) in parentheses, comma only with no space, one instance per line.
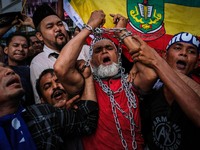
(36,45)
(17,50)
(104,53)
(52,32)
(182,57)
(51,89)
(10,85)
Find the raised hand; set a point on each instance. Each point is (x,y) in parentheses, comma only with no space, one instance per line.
(26,21)
(97,19)
(145,54)
(84,70)
(119,20)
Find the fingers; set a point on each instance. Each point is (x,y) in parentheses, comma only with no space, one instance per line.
(117,18)
(21,21)
(60,104)
(83,68)
(97,18)
(70,102)
(67,103)
(74,98)
(139,39)
(102,17)
(132,74)
(137,54)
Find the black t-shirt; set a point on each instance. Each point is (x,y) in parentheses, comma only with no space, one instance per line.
(167,127)
(24,73)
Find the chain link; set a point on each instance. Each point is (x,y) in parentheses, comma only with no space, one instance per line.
(97,32)
(131,105)
(131,102)
(100,31)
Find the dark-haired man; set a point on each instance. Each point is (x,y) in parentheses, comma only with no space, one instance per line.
(119,118)
(17,49)
(51,91)
(39,126)
(171,113)
(35,47)
(51,31)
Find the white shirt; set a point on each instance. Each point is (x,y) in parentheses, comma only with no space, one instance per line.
(39,63)
(44,61)
(84,54)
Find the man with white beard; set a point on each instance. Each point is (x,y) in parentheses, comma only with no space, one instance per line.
(110,70)
(119,119)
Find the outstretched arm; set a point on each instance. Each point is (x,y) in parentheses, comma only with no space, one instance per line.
(4,29)
(190,82)
(25,21)
(185,92)
(142,73)
(65,66)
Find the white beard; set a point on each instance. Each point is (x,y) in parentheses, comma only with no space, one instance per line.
(107,71)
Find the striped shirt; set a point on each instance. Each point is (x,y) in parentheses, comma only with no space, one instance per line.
(50,126)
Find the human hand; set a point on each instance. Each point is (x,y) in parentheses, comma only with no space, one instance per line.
(84,70)
(145,54)
(70,103)
(15,21)
(132,74)
(67,103)
(97,19)
(119,20)
(26,21)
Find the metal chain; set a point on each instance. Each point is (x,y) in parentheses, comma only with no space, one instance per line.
(100,31)
(131,103)
(130,95)
(97,32)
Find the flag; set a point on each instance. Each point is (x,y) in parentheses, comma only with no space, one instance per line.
(155,21)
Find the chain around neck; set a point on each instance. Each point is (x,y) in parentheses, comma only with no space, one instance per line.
(131,103)
(125,86)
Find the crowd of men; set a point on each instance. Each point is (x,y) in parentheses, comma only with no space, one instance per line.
(59,92)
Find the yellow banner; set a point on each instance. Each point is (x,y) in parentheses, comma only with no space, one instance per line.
(85,7)
(177,18)
(180,18)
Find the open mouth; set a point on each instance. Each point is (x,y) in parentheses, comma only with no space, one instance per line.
(181,64)
(13,81)
(58,93)
(106,60)
(59,35)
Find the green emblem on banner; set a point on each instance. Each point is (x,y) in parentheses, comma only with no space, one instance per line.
(145,16)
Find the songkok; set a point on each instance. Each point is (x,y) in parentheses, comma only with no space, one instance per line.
(186,38)
(42,12)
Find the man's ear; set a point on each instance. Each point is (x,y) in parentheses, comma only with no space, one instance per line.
(39,36)
(6,50)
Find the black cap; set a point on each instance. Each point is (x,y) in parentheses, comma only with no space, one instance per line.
(42,12)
